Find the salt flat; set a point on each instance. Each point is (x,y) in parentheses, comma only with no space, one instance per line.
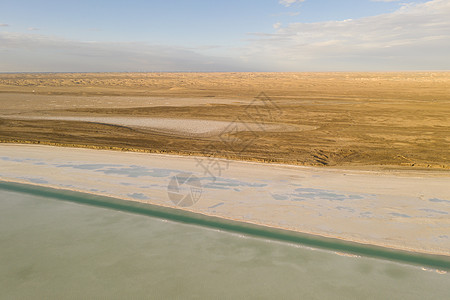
(405,210)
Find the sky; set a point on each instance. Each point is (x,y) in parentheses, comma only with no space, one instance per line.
(224,36)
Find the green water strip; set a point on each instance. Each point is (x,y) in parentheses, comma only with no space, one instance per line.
(435,261)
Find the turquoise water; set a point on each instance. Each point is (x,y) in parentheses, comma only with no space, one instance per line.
(53,249)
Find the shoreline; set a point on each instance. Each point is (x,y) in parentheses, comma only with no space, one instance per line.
(237,213)
(402,169)
(341,246)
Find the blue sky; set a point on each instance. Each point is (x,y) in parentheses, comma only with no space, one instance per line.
(246,35)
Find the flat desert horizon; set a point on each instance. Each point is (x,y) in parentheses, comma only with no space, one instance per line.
(365,120)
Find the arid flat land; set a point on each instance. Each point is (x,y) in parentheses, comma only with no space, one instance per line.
(348,120)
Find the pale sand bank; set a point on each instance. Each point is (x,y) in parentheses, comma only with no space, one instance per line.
(189,127)
(403,212)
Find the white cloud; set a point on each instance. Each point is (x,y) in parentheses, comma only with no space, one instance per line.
(416,36)
(288,3)
(276,25)
(3,25)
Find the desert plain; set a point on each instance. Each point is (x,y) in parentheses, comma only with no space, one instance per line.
(392,121)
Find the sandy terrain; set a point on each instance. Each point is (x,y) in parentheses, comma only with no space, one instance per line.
(349,120)
(186,127)
(22,103)
(403,212)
